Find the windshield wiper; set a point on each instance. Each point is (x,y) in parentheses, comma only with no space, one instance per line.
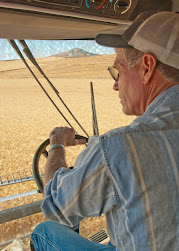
(32,59)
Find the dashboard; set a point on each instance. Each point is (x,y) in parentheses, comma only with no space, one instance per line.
(116,9)
(69,19)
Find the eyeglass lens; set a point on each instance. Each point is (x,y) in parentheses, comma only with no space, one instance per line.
(114,73)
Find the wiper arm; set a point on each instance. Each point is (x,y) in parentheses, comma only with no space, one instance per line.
(94,116)
(28,53)
(14,45)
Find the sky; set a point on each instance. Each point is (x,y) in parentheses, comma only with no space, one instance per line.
(44,48)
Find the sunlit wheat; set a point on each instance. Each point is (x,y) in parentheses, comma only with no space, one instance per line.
(27,117)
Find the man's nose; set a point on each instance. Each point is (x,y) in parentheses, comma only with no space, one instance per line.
(115,86)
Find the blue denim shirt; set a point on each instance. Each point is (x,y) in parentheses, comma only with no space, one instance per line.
(131,175)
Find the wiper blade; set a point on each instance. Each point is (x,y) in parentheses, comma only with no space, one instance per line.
(94,116)
(14,45)
(28,53)
(32,59)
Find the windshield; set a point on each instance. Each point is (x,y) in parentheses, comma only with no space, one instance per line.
(28,116)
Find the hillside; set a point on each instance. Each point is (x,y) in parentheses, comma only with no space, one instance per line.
(60,67)
(77,53)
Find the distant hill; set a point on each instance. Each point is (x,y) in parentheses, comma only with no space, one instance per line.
(60,67)
(74,53)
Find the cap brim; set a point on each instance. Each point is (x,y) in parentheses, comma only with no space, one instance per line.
(109,40)
(113,37)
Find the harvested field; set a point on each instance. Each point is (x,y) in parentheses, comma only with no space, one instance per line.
(27,117)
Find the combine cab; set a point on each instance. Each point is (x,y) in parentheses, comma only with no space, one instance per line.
(25,24)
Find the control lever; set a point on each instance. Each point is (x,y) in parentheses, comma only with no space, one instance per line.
(77,136)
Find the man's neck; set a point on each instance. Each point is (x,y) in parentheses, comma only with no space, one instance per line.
(158,85)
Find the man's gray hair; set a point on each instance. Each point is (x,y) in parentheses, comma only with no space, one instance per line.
(134,57)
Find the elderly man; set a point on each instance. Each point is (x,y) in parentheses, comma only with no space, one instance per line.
(130,173)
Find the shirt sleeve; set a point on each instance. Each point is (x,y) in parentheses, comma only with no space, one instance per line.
(84,191)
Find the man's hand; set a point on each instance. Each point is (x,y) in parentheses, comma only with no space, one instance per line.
(56,157)
(64,136)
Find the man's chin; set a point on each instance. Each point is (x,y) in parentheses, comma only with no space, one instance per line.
(127,111)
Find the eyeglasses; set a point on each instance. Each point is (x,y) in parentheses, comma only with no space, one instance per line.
(114,73)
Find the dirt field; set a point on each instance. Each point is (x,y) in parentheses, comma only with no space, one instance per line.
(27,117)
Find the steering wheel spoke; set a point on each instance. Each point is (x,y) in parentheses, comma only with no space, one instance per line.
(45,153)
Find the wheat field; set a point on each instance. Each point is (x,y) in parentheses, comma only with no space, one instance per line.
(27,117)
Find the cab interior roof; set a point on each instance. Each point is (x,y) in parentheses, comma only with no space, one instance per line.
(52,20)
(16,24)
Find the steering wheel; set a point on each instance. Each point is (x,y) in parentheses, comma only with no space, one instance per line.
(35,165)
(42,151)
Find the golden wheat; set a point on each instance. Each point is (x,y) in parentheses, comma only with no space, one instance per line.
(27,117)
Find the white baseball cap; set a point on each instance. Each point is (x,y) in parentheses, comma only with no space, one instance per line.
(151,32)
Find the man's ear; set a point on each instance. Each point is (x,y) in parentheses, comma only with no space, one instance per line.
(148,67)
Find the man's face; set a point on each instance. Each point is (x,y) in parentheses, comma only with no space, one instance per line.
(129,86)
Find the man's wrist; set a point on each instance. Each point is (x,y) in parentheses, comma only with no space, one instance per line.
(54,146)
